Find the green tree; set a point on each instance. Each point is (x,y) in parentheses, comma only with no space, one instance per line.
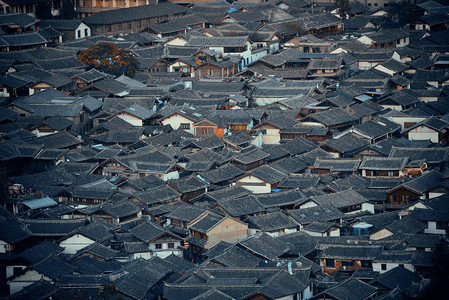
(43,11)
(439,277)
(343,8)
(108,58)
(68,10)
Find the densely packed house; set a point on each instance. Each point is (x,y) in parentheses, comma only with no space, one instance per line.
(276,150)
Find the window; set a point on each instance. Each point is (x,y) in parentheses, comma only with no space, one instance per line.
(158,246)
(78,33)
(119,26)
(129,25)
(347,264)
(330,263)
(80,85)
(203,130)
(86,32)
(383,267)
(108,28)
(366,264)
(139,24)
(184,126)
(171,245)
(441,225)
(16,270)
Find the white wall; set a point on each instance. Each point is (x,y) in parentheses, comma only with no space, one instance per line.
(423,133)
(81,31)
(170,175)
(130,119)
(432,228)
(255,185)
(4,247)
(30,277)
(74,243)
(175,122)
(10,270)
(272,137)
(377,267)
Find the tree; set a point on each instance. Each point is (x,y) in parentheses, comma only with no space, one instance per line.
(110,59)
(343,8)
(68,10)
(43,11)
(439,277)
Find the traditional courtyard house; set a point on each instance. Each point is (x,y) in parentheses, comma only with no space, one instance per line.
(183,215)
(327,67)
(156,196)
(12,236)
(135,115)
(337,118)
(250,160)
(141,165)
(373,130)
(206,128)
(392,67)
(119,212)
(182,65)
(436,221)
(17,22)
(260,180)
(436,78)
(327,214)
(189,187)
(273,224)
(432,129)
(160,241)
(271,129)
(418,188)
(348,201)
(386,38)
(343,167)
(345,146)
(399,101)
(348,257)
(71,29)
(239,208)
(239,47)
(23,41)
(352,287)
(84,79)
(182,117)
(388,260)
(369,58)
(210,229)
(311,133)
(383,166)
(404,119)
(219,68)
(132,19)
(309,44)
(96,231)
(49,269)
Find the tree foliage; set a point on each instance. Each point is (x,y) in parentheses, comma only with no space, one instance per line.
(43,11)
(68,10)
(343,8)
(439,277)
(108,58)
